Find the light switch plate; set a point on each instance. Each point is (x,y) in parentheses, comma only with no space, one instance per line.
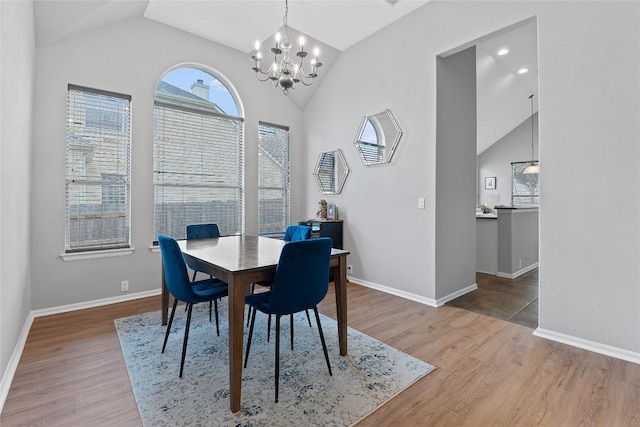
(420,202)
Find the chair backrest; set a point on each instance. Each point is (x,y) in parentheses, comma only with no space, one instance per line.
(175,270)
(202,231)
(294,233)
(302,276)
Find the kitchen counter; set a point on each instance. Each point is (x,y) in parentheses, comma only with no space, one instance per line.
(487,215)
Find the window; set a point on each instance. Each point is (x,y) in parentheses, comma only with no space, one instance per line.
(198,155)
(98,170)
(524,186)
(273,178)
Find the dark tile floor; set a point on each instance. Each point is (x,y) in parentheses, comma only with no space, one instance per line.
(514,300)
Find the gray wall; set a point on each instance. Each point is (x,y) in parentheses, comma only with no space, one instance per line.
(130,58)
(496,161)
(517,241)
(17,61)
(589,103)
(455,173)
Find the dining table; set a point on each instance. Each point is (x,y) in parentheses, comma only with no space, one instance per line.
(240,261)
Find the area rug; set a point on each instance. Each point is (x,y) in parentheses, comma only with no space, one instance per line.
(371,374)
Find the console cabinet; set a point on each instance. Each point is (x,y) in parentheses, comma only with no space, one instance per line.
(326,228)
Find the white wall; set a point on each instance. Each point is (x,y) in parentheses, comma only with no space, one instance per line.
(17,60)
(496,161)
(130,58)
(589,103)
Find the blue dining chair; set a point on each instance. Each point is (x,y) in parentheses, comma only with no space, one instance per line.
(293,233)
(177,281)
(301,282)
(204,231)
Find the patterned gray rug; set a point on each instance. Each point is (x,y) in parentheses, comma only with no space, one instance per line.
(371,374)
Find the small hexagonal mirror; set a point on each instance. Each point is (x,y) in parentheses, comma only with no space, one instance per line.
(331,172)
(377,138)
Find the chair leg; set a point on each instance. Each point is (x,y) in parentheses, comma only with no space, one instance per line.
(308,318)
(253,321)
(186,337)
(324,345)
(253,288)
(268,328)
(291,321)
(166,335)
(277,379)
(215,304)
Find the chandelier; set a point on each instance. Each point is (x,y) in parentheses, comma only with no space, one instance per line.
(284,72)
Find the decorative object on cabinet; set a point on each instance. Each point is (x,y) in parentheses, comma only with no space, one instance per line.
(322,209)
(489,182)
(331,172)
(377,138)
(326,228)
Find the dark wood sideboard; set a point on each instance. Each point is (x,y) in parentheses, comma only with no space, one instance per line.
(326,228)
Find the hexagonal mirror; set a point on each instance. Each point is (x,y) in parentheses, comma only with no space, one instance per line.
(377,138)
(331,172)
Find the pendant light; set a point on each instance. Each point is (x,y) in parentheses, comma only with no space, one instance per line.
(534,167)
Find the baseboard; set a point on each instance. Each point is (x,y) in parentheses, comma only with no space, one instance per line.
(413,297)
(94,303)
(442,301)
(607,350)
(12,366)
(519,272)
(387,290)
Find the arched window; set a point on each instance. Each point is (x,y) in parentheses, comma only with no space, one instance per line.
(198,153)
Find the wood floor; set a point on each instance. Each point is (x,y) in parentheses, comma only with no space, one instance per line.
(489,372)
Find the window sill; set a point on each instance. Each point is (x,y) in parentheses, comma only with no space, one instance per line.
(109,253)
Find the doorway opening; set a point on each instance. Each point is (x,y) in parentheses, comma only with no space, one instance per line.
(504,250)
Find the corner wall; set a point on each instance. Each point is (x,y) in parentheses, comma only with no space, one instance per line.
(456,166)
(17,67)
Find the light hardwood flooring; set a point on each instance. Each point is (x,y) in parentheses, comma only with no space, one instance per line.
(488,371)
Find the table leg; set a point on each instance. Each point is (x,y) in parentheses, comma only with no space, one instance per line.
(340,282)
(237,290)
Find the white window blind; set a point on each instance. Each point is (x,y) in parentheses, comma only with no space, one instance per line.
(273,178)
(98,170)
(198,160)
(524,186)
(326,172)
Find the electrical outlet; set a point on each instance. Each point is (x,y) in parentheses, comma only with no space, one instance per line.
(349,268)
(124,286)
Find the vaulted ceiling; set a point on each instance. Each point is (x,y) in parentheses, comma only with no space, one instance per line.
(333,25)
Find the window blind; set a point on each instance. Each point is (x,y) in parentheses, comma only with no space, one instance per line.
(97,170)
(326,172)
(198,160)
(273,178)
(524,186)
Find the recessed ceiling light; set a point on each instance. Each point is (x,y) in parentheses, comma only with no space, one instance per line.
(522,70)
(503,51)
